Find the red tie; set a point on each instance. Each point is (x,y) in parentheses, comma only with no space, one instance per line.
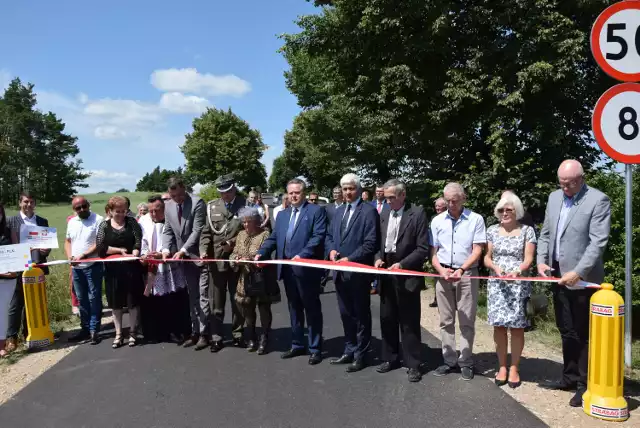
(180,213)
(379,207)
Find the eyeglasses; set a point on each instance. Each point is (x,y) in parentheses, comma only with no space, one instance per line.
(312,199)
(166,199)
(81,207)
(505,210)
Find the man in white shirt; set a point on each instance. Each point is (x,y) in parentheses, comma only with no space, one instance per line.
(283,206)
(17,315)
(165,309)
(80,244)
(459,236)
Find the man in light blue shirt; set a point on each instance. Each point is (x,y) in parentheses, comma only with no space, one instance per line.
(459,236)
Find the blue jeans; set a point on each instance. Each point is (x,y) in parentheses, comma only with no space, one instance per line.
(87,283)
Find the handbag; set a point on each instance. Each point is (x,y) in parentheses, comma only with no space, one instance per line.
(255,284)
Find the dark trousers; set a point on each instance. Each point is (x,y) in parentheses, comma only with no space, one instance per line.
(249,312)
(161,316)
(17,315)
(572,319)
(354,302)
(224,282)
(303,298)
(399,317)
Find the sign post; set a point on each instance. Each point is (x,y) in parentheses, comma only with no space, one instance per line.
(615,44)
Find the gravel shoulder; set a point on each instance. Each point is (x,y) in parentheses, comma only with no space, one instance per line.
(539,362)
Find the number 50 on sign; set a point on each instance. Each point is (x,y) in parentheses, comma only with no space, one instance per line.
(616,122)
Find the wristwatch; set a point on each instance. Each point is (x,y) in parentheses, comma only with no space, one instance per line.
(463,271)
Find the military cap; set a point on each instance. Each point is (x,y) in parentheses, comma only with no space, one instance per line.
(224,183)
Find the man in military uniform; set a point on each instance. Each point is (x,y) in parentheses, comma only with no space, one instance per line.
(217,241)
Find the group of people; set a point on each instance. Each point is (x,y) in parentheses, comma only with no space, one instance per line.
(179,230)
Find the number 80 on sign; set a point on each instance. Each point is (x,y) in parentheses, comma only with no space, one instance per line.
(616,123)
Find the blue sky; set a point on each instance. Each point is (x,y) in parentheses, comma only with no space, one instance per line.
(129,77)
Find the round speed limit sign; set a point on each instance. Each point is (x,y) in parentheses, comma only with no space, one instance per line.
(616,122)
(615,41)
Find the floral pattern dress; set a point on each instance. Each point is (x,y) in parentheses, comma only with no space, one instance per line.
(506,299)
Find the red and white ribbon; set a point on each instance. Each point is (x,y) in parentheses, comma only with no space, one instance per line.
(322,264)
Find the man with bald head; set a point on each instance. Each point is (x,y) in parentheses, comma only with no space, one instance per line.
(572,242)
(80,244)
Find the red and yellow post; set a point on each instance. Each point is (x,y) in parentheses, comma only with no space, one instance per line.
(604,399)
(36,307)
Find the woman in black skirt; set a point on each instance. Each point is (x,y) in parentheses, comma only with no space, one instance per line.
(124,280)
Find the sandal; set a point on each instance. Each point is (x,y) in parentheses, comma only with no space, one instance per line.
(117,342)
(132,341)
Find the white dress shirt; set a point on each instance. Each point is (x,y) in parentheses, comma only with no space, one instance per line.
(392,230)
(29,221)
(353,204)
(454,239)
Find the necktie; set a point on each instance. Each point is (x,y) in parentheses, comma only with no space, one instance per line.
(154,238)
(180,213)
(228,206)
(392,233)
(292,224)
(379,207)
(345,220)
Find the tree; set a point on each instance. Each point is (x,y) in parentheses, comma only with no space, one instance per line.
(156,180)
(122,190)
(36,154)
(280,175)
(223,143)
(439,91)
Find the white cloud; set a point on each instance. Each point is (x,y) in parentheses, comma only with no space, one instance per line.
(188,80)
(109,132)
(5,78)
(176,102)
(109,181)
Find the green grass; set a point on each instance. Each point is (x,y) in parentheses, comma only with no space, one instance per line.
(58,281)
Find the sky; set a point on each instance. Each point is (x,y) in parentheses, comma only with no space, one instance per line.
(128,77)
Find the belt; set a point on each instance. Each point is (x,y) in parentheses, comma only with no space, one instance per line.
(449,267)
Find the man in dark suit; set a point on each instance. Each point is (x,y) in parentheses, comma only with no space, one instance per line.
(299,233)
(404,244)
(354,236)
(17,316)
(380,203)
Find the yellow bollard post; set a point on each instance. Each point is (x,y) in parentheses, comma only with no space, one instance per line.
(604,399)
(36,307)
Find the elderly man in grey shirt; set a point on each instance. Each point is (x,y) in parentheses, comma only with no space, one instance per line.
(458,238)
(571,245)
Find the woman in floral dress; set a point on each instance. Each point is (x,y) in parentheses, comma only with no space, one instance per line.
(510,252)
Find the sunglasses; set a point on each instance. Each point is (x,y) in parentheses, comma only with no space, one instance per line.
(312,199)
(81,207)
(505,210)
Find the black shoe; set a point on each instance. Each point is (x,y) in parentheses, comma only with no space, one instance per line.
(191,341)
(252,346)
(387,366)
(514,385)
(414,375)
(79,336)
(500,382)
(467,373)
(356,366)
(238,342)
(576,400)
(433,304)
(175,338)
(202,344)
(216,346)
(315,359)
(344,359)
(95,338)
(443,370)
(293,352)
(262,349)
(558,386)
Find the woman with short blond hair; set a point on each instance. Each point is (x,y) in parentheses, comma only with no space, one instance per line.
(510,253)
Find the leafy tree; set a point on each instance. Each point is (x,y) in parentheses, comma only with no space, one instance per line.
(156,180)
(122,190)
(223,143)
(280,175)
(36,154)
(439,91)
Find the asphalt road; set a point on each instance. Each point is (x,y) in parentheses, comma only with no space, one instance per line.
(167,386)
